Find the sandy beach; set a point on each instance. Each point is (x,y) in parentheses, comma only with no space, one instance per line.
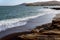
(31,24)
(48,31)
(30,20)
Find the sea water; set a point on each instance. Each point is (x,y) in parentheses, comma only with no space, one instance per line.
(14,16)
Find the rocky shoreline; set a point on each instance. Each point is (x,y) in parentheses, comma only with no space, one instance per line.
(50,31)
(56,8)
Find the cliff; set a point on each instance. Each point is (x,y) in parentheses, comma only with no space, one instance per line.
(48,3)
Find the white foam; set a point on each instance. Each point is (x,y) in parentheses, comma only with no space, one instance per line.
(10,23)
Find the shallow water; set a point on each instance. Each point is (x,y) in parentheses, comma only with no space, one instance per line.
(19,15)
(22,18)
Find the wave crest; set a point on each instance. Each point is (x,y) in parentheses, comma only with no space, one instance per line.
(10,23)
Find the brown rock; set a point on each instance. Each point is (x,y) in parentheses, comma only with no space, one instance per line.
(52,32)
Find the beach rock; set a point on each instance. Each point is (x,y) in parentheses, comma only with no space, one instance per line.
(56,8)
(56,21)
(49,31)
(52,32)
(36,34)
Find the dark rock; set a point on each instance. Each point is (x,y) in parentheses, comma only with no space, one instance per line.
(56,8)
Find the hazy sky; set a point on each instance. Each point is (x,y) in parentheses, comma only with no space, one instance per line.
(16,2)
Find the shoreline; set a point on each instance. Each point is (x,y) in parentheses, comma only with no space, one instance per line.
(5,24)
(46,32)
(32,23)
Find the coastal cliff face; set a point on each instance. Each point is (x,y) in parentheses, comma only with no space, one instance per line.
(49,3)
(50,31)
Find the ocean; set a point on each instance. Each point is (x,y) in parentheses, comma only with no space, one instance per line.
(14,16)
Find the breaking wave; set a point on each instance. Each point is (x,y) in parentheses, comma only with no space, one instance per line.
(15,22)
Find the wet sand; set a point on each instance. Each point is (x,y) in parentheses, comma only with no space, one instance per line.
(31,24)
(48,31)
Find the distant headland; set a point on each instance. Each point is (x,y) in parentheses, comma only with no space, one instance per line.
(48,3)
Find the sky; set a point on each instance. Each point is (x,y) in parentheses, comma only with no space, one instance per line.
(16,2)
